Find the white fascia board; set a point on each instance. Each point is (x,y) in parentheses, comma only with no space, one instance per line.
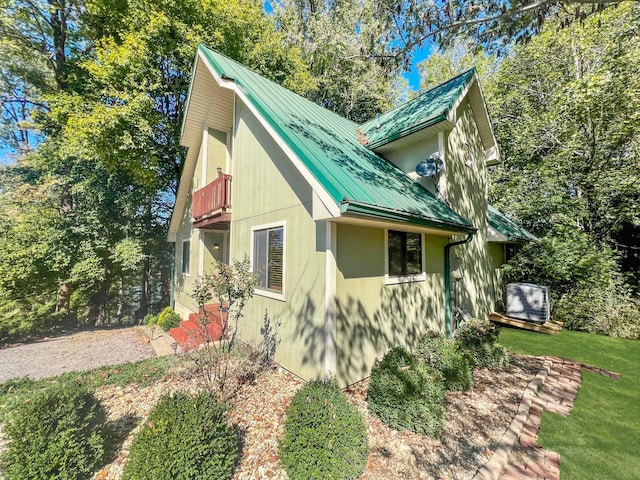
(331,206)
(186,110)
(492,155)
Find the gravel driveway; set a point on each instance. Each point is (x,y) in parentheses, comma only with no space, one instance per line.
(77,351)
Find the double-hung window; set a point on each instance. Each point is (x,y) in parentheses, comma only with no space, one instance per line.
(268,258)
(404,256)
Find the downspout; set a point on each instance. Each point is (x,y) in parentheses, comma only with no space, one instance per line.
(447,281)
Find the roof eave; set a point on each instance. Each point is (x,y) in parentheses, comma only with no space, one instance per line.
(386,214)
(405,133)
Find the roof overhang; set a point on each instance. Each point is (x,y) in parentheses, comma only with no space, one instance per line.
(356,210)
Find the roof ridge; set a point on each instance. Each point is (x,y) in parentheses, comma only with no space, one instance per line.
(244,67)
(422,94)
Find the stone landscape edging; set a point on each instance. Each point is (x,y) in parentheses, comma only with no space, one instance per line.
(496,464)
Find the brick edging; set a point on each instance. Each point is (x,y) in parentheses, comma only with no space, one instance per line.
(496,464)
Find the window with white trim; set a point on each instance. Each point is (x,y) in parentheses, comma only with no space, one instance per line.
(186,256)
(404,253)
(268,258)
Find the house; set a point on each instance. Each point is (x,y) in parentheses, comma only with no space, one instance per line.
(355,252)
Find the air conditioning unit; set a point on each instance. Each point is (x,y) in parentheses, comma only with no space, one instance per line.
(526,301)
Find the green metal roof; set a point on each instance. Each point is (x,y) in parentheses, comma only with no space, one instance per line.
(426,109)
(360,181)
(510,229)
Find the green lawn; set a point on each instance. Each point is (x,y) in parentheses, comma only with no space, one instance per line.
(601,437)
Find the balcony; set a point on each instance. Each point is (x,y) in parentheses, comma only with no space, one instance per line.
(211,206)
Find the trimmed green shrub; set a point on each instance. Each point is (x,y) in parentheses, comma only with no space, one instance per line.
(442,354)
(58,434)
(184,437)
(150,319)
(325,436)
(168,319)
(479,338)
(407,394)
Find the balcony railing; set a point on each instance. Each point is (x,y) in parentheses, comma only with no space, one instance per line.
(212,203)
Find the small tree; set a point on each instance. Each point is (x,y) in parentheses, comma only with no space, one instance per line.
(230,287)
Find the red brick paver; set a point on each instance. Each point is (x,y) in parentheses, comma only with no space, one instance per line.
(557,395)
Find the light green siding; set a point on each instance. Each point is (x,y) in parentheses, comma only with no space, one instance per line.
(184,303)
(269,190)
(467,194)
(373,317)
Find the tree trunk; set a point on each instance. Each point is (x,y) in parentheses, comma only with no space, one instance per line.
(63,299)
(144,297)
(165,276)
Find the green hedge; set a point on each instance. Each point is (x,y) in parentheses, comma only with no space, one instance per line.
(406,393)
(442,354)
(168,319)
(57,434)
(325,436)
(479,339)
(184,437)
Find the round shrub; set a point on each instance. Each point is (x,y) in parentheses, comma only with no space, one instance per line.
(184,437)
(325,436)
(442,354)
(168,319)
(407,394)
(58,434)
(150,319)
(479,339)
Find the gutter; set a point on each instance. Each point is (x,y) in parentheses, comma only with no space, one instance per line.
(447,281)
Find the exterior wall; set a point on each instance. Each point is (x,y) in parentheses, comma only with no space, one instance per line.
(183,284)
(373,317)
(498,258)
(268,189)
(467,194)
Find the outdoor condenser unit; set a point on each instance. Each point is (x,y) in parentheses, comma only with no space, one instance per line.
(527,301)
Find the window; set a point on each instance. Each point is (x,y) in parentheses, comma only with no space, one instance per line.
(404,250)
(268,258)
(186,256)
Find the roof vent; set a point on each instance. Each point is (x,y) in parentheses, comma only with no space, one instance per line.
(527,301)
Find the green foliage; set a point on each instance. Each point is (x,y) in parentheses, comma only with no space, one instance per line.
(443,355)
(168,319)
(57,434)
(479,339)
(150,319)
(325,437)
(587,291)
(407,394)
(349,57)
(184,437)
(571,165)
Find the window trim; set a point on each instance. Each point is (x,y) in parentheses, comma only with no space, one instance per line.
(416,277)
(186,273)
(265,292)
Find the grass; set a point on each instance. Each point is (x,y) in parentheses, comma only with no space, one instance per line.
(600,439)
(141,373)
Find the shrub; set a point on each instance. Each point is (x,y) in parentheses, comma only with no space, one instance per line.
(150,319)
(479,339)
(58,434)
(406,393)
(325,436)
(184,437)
(442,354)
(168,319)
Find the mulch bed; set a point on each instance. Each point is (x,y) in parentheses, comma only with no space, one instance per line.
(475,423)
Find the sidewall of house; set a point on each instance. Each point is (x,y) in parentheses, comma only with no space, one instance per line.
(473,271)
(268,191)
(373,317)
